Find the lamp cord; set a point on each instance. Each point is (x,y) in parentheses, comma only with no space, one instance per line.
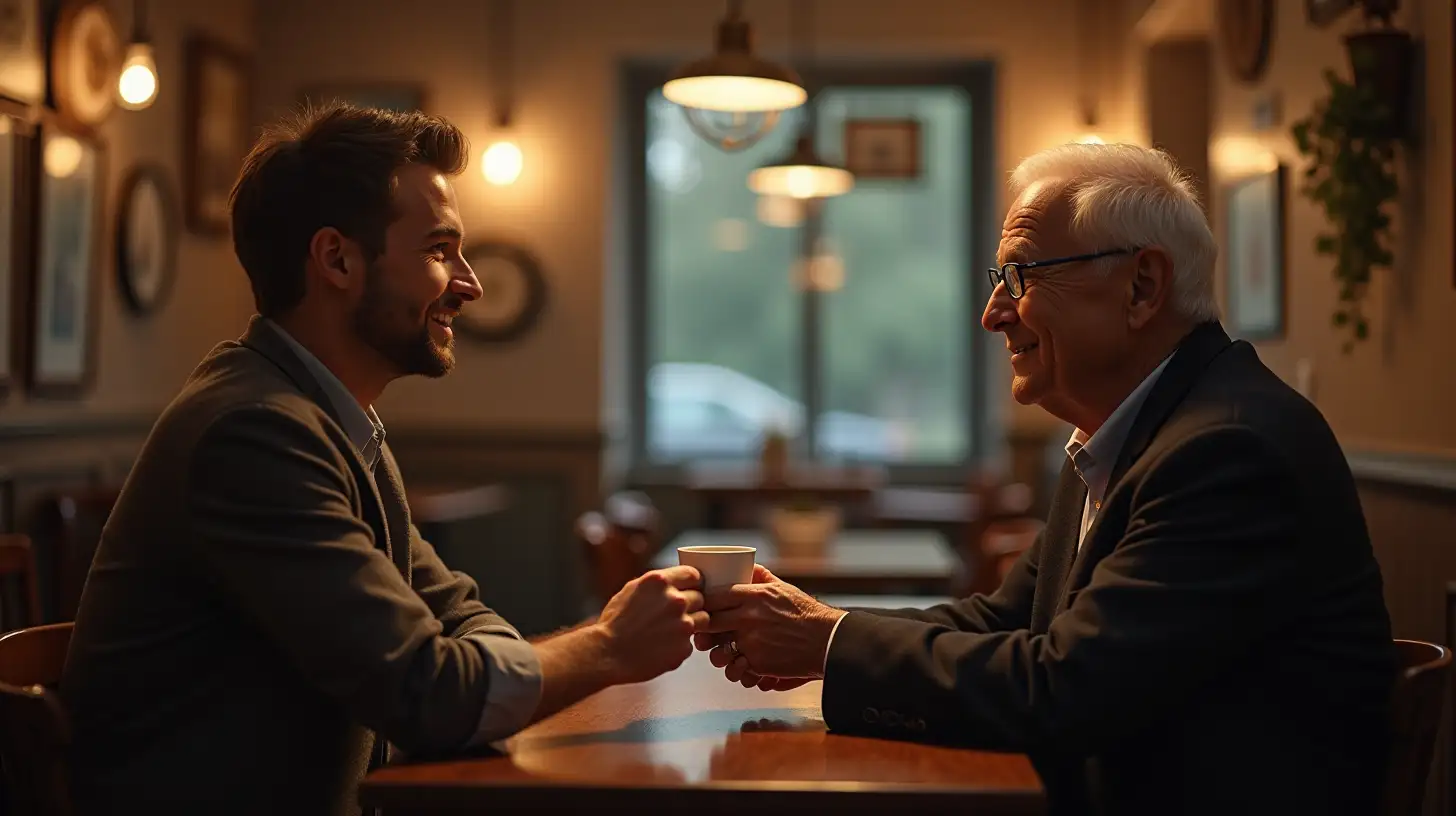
(503,25)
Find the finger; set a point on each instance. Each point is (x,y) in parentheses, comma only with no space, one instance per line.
(681,576)
(703,642)
(721,656)
(761,575)
(694,599)
(736,669)
(726,620)
(750,678)
(697,621)
(730,596)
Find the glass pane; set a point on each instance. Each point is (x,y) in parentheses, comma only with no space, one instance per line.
(895,325)
(724,321)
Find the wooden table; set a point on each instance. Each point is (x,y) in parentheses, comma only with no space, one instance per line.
(690,742)
(857,562)
(727,490)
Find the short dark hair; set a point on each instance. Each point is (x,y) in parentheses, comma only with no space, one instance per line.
(328,166)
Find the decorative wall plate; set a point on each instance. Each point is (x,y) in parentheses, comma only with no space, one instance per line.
(1246,31)
(146,238)
(514,293)
(85,64)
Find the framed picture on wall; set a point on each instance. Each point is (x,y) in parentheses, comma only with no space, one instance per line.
(882,148)
(63,342)
(22,55)
(16,201)
(395,96)
(216,134)
(1256,255)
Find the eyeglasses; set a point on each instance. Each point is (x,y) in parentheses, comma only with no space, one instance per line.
(1010,273)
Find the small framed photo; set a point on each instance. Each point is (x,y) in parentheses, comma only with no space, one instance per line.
(22,51)
(882,148)
(17,213)
(402,97)
(63,343)
(218,135)
(1256,255)
(146,238)
(1320,13)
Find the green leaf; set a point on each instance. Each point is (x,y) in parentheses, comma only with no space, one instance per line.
(1341,318)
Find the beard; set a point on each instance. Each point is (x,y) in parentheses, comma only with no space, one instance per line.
(392,331)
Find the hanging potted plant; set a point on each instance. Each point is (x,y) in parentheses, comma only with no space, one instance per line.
(1350,140)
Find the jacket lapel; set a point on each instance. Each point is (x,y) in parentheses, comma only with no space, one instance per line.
(1193,356)
(262,338)
(1058,546)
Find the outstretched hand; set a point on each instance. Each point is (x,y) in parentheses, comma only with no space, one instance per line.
(769,634)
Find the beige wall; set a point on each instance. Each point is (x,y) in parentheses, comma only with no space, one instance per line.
(142,362)
(569,51)
(1396,392)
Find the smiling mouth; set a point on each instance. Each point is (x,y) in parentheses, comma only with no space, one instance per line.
(1017,351)
(443,319)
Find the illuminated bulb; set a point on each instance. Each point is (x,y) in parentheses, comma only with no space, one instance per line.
(501,163)
(137,87)
(62,156)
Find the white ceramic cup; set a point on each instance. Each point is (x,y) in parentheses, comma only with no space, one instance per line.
(721,567)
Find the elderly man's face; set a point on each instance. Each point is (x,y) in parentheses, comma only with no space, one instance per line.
(1070,325)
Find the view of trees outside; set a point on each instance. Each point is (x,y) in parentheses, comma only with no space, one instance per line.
(723,295)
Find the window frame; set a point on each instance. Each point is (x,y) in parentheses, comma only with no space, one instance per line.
(639,79)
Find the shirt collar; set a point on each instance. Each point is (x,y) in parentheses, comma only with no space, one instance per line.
(360,422)
(1093,456)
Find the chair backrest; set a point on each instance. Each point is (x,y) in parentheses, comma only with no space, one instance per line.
(34,733)
(1415,716)
(619,542)
(17,559)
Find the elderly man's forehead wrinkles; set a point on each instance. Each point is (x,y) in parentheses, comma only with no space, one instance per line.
(1018,235)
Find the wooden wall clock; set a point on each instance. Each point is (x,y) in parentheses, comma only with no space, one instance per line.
(85,64)
(513,293)
(1245,32)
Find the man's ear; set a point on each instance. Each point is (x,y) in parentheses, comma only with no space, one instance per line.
(335,256)
(1150,286)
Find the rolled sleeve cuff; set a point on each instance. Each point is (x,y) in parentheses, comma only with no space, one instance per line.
(515,683)
(830,645)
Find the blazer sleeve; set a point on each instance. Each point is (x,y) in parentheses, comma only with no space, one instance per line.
(1210,545)
(453,597)
(269,499)
(1009,607)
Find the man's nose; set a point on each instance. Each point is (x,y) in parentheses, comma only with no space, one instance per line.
(1000,310)
(465,284)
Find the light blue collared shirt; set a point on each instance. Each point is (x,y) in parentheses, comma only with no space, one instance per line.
(1093,457)
(514,668)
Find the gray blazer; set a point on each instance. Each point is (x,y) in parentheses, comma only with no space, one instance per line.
(258,612)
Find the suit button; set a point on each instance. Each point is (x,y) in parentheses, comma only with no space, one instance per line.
(871,716)
(890,718)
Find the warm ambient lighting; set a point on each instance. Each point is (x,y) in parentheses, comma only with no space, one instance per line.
(501,163)
(1090,138)
(802,174)
(62,156)
(137,87)
(1234,156)
(732,78)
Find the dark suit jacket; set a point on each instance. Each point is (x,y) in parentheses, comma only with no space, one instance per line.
(257,610)
(1220,645)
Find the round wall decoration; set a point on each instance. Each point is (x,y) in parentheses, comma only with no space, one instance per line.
(1245,31)
(85,64)
(146,239)
(513,293)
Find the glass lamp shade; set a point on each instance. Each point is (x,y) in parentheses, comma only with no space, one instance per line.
(802,174)
(136,86)
(733,79)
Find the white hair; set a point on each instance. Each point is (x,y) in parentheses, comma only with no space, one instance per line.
(1125,196)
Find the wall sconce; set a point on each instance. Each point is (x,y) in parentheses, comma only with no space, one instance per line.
(502,162)
(136,87)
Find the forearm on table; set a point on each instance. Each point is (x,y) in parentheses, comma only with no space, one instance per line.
(574,665)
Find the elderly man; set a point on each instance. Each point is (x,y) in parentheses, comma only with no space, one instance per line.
(1201,627)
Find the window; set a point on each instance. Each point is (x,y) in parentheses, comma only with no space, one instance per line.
(875,362)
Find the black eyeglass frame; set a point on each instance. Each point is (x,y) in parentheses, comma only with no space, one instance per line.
(1009,271)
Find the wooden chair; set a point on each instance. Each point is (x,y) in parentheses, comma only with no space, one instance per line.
(1415,717)
(17,560)
(34,733)
(70,523)
(619,542)
(1006,539)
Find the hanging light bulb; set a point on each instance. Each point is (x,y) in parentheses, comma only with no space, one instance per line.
(801,174)
(732,97)
(136,86)
(62,156)
(501,163)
